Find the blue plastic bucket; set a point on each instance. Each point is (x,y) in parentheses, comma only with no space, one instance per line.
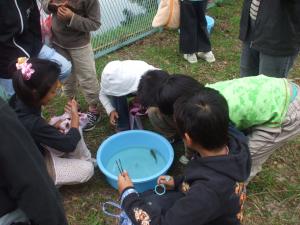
(131,139)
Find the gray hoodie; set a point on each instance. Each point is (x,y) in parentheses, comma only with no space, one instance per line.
(75,33)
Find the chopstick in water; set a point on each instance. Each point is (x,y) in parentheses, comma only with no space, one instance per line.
(121,165)
(119,168)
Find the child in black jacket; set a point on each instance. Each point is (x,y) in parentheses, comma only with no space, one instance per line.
(211,190)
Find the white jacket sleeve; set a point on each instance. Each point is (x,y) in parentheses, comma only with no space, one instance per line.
(106,102)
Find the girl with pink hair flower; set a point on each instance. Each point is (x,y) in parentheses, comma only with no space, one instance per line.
(68,160)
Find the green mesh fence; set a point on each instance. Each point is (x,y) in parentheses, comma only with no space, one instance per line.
(124,22)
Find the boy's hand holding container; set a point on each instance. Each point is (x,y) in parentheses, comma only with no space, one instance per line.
(168,181)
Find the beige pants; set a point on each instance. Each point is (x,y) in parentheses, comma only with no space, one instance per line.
(166,126)
(162,123)
(263,141)
(70,168)
(83,73)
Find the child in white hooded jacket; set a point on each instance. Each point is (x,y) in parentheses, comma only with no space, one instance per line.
(119,80)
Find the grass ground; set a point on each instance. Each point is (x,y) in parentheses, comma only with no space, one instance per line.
(273,196)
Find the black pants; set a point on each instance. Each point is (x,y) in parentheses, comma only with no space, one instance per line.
(193,27)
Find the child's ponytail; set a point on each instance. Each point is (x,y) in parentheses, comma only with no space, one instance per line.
(33,78)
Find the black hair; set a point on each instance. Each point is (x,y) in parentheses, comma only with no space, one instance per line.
(174,87)
(204,117)
(33,90)
(148,86)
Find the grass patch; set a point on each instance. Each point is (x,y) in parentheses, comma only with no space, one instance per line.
(273,195)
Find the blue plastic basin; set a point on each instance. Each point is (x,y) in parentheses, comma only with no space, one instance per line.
(131,139)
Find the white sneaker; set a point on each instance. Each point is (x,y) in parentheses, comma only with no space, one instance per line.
(207,56)
(191,58)
(184,160)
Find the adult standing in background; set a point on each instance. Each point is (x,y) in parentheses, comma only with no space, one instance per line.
(270,31)
(194,38)
(20,35)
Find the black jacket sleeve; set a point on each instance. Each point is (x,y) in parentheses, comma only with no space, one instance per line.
(294,13)
(199,206)
(48,135)
(177,181)
(10,21)
(23,173)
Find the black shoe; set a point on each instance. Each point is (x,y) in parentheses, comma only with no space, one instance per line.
(93,119)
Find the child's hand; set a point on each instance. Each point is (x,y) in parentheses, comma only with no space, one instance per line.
(53,6)
(168,181)
(124,181)
(64,13)
(72,107)
(113,117)
(57,124)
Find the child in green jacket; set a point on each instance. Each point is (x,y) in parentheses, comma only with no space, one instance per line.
(267,109)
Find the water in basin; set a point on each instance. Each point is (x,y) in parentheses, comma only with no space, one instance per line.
(139,162)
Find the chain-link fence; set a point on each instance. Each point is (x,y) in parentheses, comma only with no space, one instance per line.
(123,22)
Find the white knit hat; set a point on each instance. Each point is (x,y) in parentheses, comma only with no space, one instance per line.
(122,77)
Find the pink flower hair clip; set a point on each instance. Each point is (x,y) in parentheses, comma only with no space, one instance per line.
(25,68)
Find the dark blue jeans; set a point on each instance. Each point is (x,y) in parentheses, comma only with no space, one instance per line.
(121,105)
(254,62)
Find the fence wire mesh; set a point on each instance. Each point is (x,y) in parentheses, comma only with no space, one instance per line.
(123,22)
